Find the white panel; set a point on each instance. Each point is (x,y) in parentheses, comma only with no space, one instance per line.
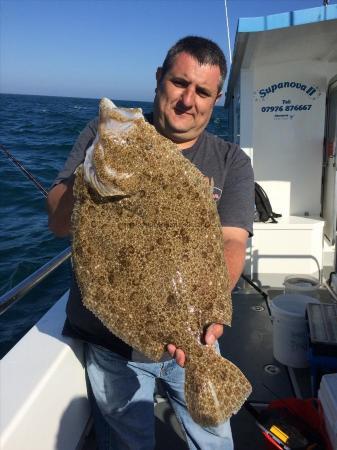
(292,246)
(44,402)
(288,142)
(246,109)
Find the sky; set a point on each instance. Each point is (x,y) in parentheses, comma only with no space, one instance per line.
(96,48)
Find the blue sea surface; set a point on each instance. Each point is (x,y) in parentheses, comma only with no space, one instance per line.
(40,131)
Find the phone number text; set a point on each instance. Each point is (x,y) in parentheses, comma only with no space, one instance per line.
(286,108)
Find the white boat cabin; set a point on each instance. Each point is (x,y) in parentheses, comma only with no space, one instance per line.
(282,102)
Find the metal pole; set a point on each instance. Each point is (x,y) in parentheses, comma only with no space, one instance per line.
(9,298)
(228,35)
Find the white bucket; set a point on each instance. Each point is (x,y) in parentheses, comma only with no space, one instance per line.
(290,335)
(301,284)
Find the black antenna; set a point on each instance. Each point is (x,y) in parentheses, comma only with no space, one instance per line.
(259,290)
(24,170)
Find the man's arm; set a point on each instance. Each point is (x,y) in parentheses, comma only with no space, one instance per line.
(60,202)
(60,199)
(235,241)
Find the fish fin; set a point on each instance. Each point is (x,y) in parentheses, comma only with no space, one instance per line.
(214,387)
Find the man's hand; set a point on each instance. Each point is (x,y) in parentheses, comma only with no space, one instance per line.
(212,334)
(176,353)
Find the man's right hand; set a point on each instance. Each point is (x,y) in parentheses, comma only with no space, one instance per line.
(177,354)
(60,203)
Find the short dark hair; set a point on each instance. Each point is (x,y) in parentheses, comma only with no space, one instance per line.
(203,50)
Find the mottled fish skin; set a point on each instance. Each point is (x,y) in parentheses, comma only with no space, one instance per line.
(148,255)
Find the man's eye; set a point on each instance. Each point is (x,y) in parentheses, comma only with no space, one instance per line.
(179,83)
(202,93)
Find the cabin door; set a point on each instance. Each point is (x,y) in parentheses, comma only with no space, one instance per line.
(329,166)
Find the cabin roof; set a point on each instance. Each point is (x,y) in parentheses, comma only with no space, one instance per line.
(309,34)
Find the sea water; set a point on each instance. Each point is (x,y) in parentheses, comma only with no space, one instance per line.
(39,131)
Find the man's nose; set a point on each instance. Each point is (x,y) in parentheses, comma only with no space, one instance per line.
(187,97)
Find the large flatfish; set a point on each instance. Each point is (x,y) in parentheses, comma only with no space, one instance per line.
(148,255)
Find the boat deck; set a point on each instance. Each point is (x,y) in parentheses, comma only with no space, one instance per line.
(248,343)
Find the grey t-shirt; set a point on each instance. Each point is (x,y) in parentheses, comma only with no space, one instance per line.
(230,171)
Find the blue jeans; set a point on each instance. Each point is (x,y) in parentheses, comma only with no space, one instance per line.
(123,392)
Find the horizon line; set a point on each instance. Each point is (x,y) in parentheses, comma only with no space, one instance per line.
(86,98)
(71,96)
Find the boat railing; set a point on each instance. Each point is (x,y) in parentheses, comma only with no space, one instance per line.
(19,291)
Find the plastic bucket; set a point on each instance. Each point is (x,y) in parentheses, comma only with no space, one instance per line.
(304,285)
(290,335)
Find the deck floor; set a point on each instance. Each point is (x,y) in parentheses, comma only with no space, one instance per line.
(250,339)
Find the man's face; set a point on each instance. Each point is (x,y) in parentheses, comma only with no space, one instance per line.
(185,98)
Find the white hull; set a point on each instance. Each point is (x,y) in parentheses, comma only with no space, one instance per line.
(44,403)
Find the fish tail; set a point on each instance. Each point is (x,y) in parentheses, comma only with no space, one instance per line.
(214,387)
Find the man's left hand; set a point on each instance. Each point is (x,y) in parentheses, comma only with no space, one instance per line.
(212,334)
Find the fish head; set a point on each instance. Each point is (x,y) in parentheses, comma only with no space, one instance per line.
(108,166)
(115,121)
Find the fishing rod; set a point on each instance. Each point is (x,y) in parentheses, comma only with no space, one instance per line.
(19,291)
(23,169)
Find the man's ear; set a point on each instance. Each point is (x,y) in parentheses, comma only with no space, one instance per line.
(218,97)
(159,74)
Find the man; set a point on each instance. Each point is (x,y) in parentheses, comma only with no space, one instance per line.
(122,381)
